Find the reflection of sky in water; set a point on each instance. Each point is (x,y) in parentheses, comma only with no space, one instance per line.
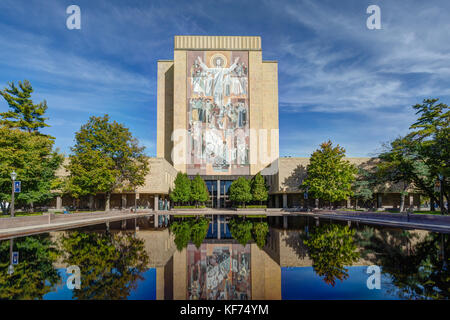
(145,290)
(299,283)
(296,283)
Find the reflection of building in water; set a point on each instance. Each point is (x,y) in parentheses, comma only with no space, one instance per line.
(223,269)
(220,269)
(218,272)
(285,240)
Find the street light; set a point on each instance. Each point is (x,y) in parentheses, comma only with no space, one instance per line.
(13,178)
(441,193)
(11,267)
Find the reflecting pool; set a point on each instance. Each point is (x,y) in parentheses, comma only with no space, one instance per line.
(227,258)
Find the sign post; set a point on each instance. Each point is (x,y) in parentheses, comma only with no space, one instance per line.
(15,258)
(17,186)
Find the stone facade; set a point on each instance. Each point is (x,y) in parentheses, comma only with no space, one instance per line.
(262,92)
(174,89)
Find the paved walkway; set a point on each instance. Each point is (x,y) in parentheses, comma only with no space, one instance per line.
(25,226)
(435,223)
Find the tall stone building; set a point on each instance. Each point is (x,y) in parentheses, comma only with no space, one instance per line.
(217,116)
(218,110)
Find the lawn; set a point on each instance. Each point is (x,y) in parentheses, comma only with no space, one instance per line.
(188,207)
(21,214)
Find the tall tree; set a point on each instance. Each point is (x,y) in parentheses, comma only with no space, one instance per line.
(182,190)
(397,167)
(240,191)
(106,157)
(423,155)
(329,176)
(364,185)
(24,114)
(199,191)
(259,188)
(32,157)
(430,137)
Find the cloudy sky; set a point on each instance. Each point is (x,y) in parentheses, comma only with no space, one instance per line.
(338,80)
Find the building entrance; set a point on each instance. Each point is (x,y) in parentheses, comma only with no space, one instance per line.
(219,193)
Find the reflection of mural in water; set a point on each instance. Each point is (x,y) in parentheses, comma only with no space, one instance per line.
(219,272)
(218,114)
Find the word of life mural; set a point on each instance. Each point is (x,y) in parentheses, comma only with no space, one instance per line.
(219,272)
(218,113)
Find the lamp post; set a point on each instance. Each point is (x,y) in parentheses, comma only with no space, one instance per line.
(441,194)
(13,178)
(135,200)
(11,267)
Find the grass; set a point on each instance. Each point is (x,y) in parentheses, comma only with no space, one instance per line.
(21,214)
(427,212)
(253,216)
(188,207)
(252,206)
(185,216)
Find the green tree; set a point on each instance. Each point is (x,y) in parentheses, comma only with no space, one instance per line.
(182,191)
(260,231)
(329,176)
(32,157)
(259,188)
(106,157)
(199,191)
(363,186)
(423,154)
(240,191)
(35,275)
(110,264)
(241,230)
(430,138)
(23,114)
(331,247)
(398,167)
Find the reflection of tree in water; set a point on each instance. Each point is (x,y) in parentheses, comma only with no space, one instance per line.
(244,231)
(418,268)
(199,230)
(110,264)
(260,231)
(35,275)
(194,229)
(331,247)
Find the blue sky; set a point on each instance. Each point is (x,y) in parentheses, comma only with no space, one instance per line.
(338,80)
